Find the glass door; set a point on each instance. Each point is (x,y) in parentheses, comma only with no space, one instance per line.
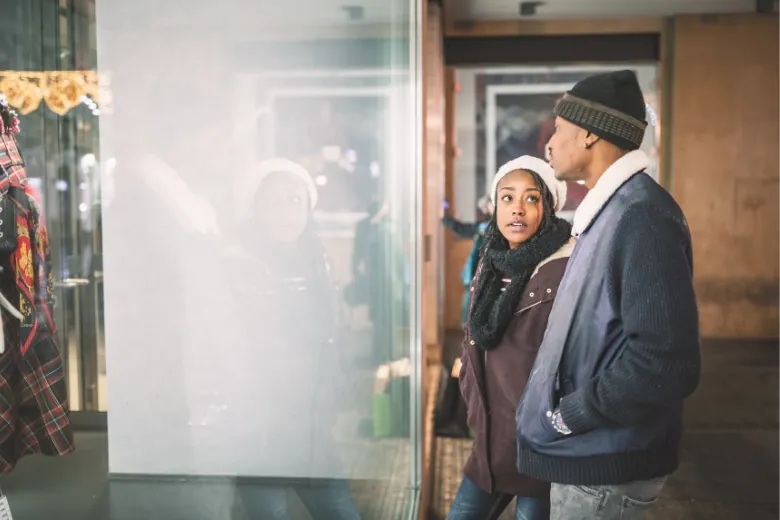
(76,243)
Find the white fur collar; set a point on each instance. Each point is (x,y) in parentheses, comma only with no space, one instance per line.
(564,252)
(610,181)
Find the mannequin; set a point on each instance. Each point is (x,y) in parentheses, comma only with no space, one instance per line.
(34,411)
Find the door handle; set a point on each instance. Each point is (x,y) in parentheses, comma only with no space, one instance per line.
(72,282)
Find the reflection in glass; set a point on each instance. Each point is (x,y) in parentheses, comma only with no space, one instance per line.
(283,271)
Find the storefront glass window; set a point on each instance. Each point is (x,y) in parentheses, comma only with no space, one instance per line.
(231,193)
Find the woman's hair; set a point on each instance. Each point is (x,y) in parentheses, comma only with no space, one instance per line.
(493,236)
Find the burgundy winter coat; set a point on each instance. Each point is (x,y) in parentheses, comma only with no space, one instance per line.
(492,382)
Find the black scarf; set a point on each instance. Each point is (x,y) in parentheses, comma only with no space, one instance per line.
(492,309)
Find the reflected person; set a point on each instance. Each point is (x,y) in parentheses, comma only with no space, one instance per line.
(379,277)
(289,297)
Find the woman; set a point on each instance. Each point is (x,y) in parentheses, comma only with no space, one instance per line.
(291,304)
(522,262)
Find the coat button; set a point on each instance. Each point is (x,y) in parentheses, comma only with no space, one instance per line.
(549,414)
(473,342)
(531,295)
(549,291)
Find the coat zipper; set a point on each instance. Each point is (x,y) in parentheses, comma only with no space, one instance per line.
(487,407)
(528,307)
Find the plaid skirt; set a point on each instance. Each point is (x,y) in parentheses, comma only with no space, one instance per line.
(33,402)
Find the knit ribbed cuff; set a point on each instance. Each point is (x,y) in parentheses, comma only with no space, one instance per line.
(574,414)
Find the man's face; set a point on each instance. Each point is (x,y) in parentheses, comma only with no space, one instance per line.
(568,155)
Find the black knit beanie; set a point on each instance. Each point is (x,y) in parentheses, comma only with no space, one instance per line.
(610,106)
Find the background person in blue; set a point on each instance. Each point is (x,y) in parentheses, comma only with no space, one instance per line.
(601,417)
(476,231)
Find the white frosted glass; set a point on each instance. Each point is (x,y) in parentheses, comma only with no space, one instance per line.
(231,348)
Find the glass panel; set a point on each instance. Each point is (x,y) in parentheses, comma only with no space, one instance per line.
(504,113)
(64,33)
(252,173)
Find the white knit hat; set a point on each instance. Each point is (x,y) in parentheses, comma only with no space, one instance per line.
(539,167)
(248,184)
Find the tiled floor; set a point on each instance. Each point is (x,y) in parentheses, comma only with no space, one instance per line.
(77,488)
(729,468)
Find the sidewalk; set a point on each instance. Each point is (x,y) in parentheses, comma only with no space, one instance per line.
(729,468)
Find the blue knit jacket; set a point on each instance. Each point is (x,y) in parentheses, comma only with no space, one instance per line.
(621,348)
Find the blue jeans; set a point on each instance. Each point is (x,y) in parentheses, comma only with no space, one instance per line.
(471,503)
(330,500)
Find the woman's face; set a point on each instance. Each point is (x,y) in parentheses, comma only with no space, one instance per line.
(282,207)
(519,209)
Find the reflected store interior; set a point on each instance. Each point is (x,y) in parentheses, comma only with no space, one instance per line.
(232,204)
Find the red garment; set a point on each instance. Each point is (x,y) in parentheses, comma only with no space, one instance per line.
(34,412)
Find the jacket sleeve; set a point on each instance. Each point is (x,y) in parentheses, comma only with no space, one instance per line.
(462,229)
(652,284)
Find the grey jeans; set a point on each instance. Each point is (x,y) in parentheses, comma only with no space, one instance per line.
(624,502)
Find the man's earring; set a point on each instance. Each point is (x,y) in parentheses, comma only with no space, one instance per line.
(588,145)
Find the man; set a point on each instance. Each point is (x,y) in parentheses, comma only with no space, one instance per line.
(601,417)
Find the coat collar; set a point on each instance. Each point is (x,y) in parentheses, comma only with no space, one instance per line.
(564,252)
(611,180)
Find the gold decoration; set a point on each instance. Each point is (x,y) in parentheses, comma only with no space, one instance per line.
(62,90)
(23,93)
